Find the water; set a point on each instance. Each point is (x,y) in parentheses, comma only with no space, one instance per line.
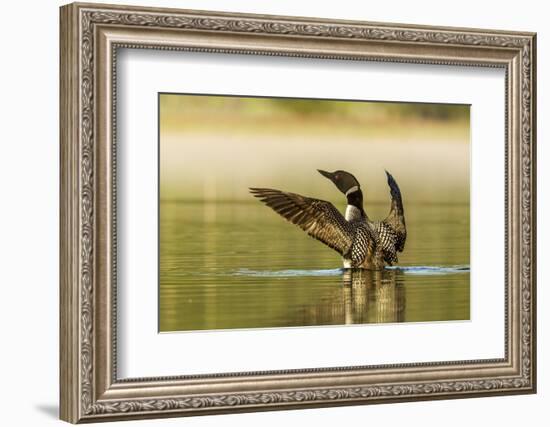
(240,265)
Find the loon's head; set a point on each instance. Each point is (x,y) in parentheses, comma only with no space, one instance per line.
(345,181)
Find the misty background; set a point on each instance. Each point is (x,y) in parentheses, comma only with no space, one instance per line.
(212,148)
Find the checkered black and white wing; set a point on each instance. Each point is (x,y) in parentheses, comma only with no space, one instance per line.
(318,218)
(363,244)
(396,218)
(387,239)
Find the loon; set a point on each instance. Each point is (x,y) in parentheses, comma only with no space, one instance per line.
(362,243)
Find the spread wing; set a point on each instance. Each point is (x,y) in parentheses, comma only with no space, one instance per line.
(396,218)
(387,239)
(318,218)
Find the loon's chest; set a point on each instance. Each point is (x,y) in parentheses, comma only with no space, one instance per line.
(352,213)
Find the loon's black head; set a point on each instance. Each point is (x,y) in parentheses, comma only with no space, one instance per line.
(345,181)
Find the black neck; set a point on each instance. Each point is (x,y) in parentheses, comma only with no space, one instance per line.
(355,198)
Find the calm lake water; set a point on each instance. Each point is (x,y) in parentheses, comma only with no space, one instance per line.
(240,265)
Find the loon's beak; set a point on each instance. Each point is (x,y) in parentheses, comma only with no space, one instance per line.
(326,174)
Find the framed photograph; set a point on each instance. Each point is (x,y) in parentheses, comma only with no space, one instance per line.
(265,212)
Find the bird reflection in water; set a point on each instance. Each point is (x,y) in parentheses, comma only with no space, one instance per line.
(373,296)
(364,296)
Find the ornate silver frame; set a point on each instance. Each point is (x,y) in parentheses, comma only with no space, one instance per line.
(90,36)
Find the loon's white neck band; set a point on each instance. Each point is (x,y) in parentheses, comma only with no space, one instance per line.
(352,189)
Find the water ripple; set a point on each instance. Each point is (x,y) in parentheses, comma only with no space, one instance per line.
(418,270)
(432,270)
(287,273)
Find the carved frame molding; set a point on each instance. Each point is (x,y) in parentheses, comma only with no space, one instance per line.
(90,37)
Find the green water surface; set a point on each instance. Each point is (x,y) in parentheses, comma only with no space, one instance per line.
(240,265)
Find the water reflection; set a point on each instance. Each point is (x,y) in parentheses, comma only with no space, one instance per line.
(243,269)
(372,297)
